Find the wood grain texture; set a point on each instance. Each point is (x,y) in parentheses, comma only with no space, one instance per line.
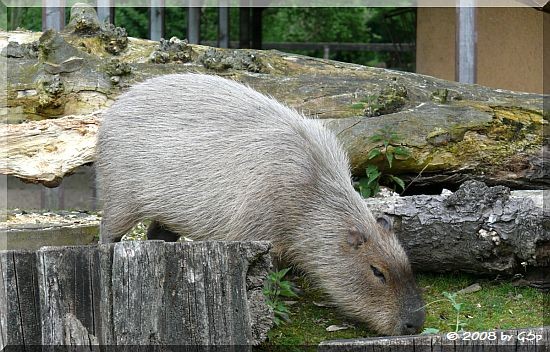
(136,293)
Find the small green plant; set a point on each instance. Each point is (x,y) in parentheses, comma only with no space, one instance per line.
(388,149)
(274,289)
(458,324)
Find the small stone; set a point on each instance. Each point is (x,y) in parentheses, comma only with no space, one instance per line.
(333,328)
(470,289)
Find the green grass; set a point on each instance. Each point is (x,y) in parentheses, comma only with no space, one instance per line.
(499,305)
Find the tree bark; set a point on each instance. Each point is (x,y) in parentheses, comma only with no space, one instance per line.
(453,131)
(478,229)
(135,293)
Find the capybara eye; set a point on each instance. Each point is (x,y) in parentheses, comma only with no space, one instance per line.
(378,274)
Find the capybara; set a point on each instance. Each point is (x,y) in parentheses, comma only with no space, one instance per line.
(213,159)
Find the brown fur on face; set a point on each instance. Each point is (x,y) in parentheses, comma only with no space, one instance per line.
(385,294)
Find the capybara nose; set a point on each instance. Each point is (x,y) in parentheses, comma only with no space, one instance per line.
(409,328)
(414,322)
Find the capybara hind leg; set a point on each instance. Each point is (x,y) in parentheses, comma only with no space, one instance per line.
(112,231)
(157,231)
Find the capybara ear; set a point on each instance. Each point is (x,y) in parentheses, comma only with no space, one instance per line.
(385,222)
(356,237)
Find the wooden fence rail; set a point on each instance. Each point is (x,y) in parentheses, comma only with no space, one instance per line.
(135,293)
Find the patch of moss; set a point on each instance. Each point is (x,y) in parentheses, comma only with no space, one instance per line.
(391,99)
(440,95)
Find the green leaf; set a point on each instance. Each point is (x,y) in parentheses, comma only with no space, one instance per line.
(374,153)
(429,331)
(402,151)
(389,156)
(363,183)
(373,176)
(375,189)
(398,181)
(283,272)
(286,290)
(371,170)
(366,192)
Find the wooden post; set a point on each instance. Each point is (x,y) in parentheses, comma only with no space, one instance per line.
(135,293)
(244,27)
(156,20)
(256,28)
(53,15)
(466,41)
(106,11)
(194,25)
(223,26)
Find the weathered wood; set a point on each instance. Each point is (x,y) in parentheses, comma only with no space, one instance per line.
(454,131)
(514,340)
(46,150)
(137,293)
(478,229)
(20,321)
(32,230)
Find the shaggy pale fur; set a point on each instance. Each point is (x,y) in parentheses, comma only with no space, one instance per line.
(213,159)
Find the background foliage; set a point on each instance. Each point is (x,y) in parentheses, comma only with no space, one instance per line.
(296,24)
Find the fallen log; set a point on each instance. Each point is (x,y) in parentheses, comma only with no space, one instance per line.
(453,131)
(135,293)
(477,229)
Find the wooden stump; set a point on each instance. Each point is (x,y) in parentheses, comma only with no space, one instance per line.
(136,293)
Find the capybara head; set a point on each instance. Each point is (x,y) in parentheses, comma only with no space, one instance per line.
(379,287)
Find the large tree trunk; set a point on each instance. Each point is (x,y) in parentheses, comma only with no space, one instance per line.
(454,131)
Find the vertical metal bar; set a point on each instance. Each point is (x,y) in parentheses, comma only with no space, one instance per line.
(105,11)
(244,25)
(194,25)
(223,25)
(256,28)
(53,15)
(156,20)
(326,52)
(466,35)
